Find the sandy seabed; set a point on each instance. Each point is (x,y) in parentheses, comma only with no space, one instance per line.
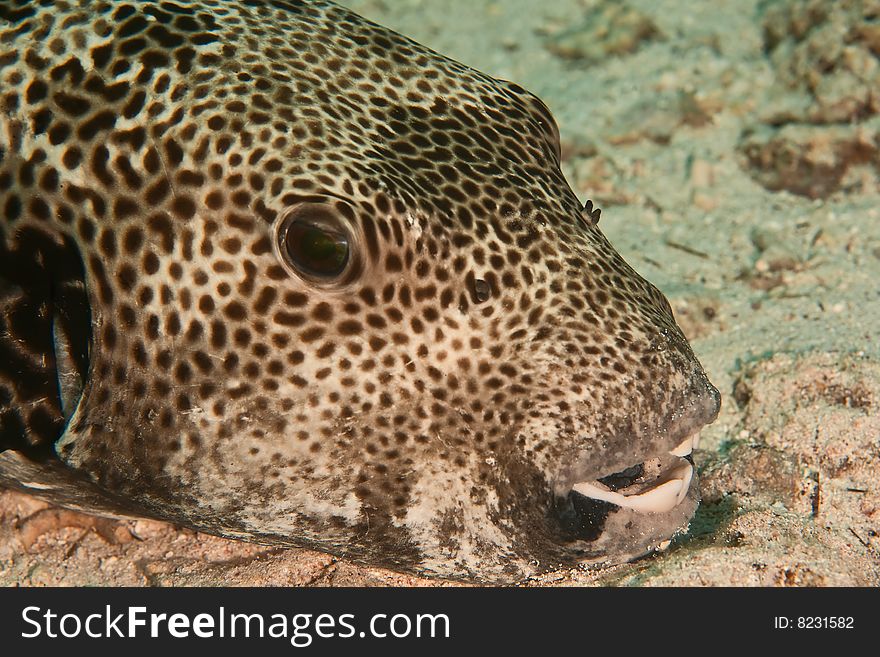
(734,147)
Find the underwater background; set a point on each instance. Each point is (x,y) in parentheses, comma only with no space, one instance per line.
(734,148)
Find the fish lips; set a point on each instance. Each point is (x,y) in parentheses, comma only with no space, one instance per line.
(636,503)
(627,514)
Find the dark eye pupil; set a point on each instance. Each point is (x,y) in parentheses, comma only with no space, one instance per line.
(316,250)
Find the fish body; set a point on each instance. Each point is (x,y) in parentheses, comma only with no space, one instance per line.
(274,272)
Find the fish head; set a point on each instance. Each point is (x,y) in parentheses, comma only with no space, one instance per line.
(537,402)
(341,295)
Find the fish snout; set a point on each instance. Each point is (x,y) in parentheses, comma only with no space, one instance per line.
(710,402)
(704,401)
(646,489)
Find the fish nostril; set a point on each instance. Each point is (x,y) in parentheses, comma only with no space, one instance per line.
(482,291)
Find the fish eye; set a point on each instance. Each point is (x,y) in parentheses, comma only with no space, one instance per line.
(315,242)
(315,248)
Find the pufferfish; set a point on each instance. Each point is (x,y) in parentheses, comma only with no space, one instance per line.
(271,271)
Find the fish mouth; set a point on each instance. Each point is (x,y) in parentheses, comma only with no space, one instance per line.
(622,515)
(656,485)
(636,492)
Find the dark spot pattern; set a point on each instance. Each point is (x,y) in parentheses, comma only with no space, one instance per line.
(415,412)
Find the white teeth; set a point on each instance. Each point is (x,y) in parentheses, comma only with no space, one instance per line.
(684,449)
(686,446)
(688,473)
(659,499)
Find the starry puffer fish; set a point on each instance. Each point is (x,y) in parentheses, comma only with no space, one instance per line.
(274,272)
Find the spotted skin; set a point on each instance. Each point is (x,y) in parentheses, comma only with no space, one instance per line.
(430,410)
